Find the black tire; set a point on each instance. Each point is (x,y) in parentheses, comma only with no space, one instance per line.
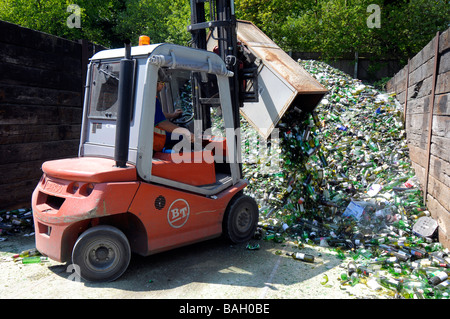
(101,254)
(240,219)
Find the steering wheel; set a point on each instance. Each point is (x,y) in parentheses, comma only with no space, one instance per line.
(183,119)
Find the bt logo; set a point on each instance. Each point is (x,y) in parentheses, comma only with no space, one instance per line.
(178,213)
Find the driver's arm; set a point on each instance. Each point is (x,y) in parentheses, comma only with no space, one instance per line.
(173,115)
(170,127)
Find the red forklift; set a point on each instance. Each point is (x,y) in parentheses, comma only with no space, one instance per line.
(120,196)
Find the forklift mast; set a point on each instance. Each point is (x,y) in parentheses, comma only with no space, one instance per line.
(222,19)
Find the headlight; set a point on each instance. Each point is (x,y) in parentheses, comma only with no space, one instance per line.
(74,187)
(87,189)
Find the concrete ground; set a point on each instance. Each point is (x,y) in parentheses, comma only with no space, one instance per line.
(209,270)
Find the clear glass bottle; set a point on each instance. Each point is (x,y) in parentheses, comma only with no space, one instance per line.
(303,257)
(438,277)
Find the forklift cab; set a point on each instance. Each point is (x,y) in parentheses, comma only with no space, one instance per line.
(178,65)
(120,196)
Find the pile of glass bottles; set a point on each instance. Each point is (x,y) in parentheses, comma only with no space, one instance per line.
(341,178)
(16,221)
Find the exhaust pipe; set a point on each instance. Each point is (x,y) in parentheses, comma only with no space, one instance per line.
(124,112)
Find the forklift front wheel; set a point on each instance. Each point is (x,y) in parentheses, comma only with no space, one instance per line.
(241,218)
(101,254)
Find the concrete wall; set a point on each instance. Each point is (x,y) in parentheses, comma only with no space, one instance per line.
(421,86)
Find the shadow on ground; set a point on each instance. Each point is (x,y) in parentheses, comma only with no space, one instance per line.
(216,262)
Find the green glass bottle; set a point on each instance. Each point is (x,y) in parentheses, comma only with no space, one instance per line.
(34,260)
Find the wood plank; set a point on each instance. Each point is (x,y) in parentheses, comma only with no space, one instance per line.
(13,153)
(441,126)
(397,89)
(439,191)
(418,140)
(444,40)
(38,115)
(430,121)
(420,174)
(442,217)
(420,89)
(442,104)
(401,97)
(443,83)
(27,57)
(21,171)
(440,147)
(19,133)
(418,106)
(17,192)
(397,83)
(424,71)
(417,125)
(36,77)
(39,41)
(440,169)
(424,55)
(444,62)
(417,155)
(18,94)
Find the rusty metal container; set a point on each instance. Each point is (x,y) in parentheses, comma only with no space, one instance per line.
(282,82)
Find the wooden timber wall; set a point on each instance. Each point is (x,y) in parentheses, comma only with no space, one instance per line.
(41,93)
(423,88)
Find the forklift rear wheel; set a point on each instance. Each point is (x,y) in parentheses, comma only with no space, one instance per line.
(102,254)
(241,218)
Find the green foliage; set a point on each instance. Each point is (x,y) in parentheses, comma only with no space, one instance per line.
(99,23)
(177,20)
(49,16)
(142,17)
(410,26)
(161,21)
(339,27)
(381,84)
(333,27)
(107,22)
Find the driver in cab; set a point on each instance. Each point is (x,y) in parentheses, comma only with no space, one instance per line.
(162,137)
